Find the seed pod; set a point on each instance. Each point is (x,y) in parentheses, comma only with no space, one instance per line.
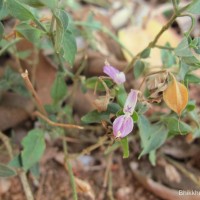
(176,96)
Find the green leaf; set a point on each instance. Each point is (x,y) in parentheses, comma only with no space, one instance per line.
(183,49)
(16,162)
(20,10)
(138,68)
(6,171)
(152,158)
(69,48)
(191,106)
(168,59)
(59,88)
(33,148)
(125,147)
(30,33)
(145,53)
(194,7)
(157,138)
(1,31)
(191,78)
(33,3)
(3,11)
(61,26)
(95,117)
(49,3)
(135,116)
(1,4)
(35,170)
(177,127)
(23,12)
(152,136)
(184,68)
(121,95)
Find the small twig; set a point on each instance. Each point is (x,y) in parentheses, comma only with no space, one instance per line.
(68,167)
(7,144)
(21,174)
(100,142)
(26,186)
(110,187)
(31,89)
(109,163)
(38,114)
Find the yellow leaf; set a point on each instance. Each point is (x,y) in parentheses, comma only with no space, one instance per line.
(176,96)
(137,38)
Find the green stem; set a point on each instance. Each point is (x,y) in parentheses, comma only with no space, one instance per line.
(192,23)
(70,171)
(175,5)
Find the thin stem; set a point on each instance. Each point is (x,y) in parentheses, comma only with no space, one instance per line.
(31,89)
(7,144)
(175,5)
(192,23)
(68,167)
(99,143)
(110,187)
(21,174)
(38,114)
(26,186)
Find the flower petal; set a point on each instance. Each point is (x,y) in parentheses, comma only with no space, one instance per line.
(130,102)
(120,78)
(110,71)
(117,76)
(122,126)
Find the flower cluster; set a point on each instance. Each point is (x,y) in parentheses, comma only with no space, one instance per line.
(122,125)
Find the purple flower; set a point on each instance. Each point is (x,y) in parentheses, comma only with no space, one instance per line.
(117,76)
(130,102)
(123,124)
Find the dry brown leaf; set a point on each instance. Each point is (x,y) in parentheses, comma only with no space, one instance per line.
(84,187)
(176,96)
(14,109)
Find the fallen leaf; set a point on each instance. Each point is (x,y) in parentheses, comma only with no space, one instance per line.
(176,96)
(14,109)
(137,38)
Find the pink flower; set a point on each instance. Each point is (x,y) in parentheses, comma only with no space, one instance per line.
(123,124)
(130,103)
(117,76)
